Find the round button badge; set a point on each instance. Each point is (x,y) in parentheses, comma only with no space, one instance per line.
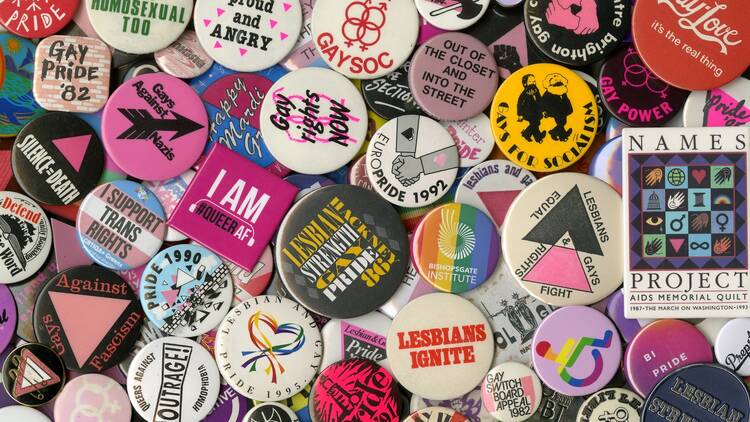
(660,348)
(33,19)
(436,414)
(25,237)
(247,36)
(577,33)
(17,70)
(389,96)
(733,346)
(370,388)
(468,405)
(576,350)
(93,395)
(174,378)
(268,348)
(139,29)
(440,355)
(154,126)
(271,411)
(563,239)
(341,251)
(693,45)
(511,392)
(412,161)
(303,53)
(33,374)
(362,337)
(724,106)
(687,392)
(89,316)
(453,76)
(314,120)
(473,137)
(365,40)
(455,247)
(613,404)
(186,290)
(184,58)
(121,225)
(230,406)
(634,95)
(8,316)
(57,158)
(22,413)
(452,15)
(544,117)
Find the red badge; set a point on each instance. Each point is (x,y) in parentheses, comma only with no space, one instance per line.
(36,18)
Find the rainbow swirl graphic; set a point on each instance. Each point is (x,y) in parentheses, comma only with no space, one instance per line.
(265,349)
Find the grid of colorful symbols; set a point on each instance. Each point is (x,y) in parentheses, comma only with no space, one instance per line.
(689,208)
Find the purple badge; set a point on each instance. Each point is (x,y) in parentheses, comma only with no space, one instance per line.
(8,316)
(616,312)
(576,350)
(230,406)
(660,348)
(233,207)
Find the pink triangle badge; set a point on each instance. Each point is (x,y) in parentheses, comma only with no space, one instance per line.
(73,148)
(559,267)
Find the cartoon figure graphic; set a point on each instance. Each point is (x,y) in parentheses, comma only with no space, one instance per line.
(529,109)
(569,354)
(523,309)
(583,22)
(407,167)
(556,104)
(18,234)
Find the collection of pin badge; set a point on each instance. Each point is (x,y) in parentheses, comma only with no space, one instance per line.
(374,210)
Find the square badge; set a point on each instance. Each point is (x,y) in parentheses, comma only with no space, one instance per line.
(233,207)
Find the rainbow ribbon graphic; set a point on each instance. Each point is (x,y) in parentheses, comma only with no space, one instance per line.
(569,354)
(265,347)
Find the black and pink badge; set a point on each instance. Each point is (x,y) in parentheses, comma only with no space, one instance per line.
(154,126)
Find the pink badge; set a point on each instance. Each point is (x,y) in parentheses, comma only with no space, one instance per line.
(233,207)
(92,397)
(154,126)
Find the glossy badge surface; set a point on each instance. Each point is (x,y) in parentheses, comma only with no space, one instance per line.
(26,238)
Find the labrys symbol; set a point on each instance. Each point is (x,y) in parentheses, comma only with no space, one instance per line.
(363,23)
(291,338)
(569,354)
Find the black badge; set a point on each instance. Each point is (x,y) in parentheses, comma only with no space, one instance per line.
(33,374)
(57,158)
(634,95)
(389,96)
(89,316)
(504,32)
(699,392)
(342,251)
(577,32)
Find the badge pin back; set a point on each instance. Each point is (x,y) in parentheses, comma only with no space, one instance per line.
(17,104)
(684,53)
(440,376)
(455,247)
(57,158)
(353,292)
(511,379)
(581,328)
(93,391)
(465,65)
(679,393)
(313,142)
(128,30)
(30,19)
(186,290)
(169,372)
(154,140)
(72,74)
(634,95)
(719,107)
(570,251)
(544,117)
(271,411)
(394,24)
(25,236)
(185,58)
(620,403)
(237,230)
(362,337)
(361,372)
(241,348)
(659,349)
(33,374)
(107,222)
(275,24)
(412,161)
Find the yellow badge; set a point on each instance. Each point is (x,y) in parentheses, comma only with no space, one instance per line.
(544,117)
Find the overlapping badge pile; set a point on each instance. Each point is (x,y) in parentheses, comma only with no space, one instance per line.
(374,210)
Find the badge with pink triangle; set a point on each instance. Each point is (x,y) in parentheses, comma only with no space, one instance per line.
(248,36)
(89,316)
